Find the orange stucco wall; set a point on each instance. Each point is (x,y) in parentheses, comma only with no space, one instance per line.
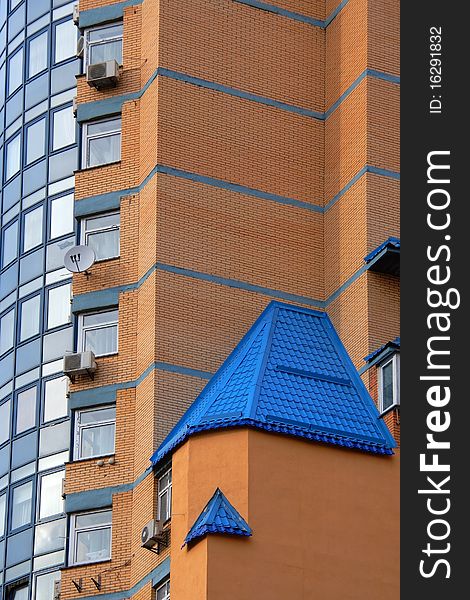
(324,520)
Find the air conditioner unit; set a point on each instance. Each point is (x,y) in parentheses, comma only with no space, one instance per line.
(74,106)
(75,14)
(152,534)
(80,46)
(103,75)
(56,593)
(79,364)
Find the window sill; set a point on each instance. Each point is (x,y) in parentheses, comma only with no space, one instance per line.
(92,458)
(83,564)
(389,409)
(88,169)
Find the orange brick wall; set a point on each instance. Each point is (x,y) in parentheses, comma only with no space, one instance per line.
(190,323)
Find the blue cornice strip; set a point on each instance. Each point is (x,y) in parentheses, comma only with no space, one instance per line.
(99,108)
(289,14)
(107,393)
(103,14)
(95,16)
(123,595)
(101,497)
(111,200)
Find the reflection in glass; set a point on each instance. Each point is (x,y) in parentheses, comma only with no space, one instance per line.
(35,141)
(21,500)
(49,536)
(7,331)
(26,409)
(55,401)
(65,41)
(58,311)
(63,133)
(13,157)
(51,501)
(15,72)
(62,216)
(37,54)
(10,244)
(32,229)
(30,318)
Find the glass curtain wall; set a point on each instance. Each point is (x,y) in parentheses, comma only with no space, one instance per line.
(38,156)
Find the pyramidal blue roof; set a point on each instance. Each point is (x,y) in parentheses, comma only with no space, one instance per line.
(290,374)
(393,344)
(218,516)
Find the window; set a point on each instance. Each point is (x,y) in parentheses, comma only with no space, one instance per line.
(49,536)
(44,588)
(164,496)
(4,422)
(65,41)
(98,332)
(21,505)
(26,409)
(58,307)
(15,72)
(55,400)
(50,495)
(61,216)
(13,157)
(10,244)
(32,235)
(37,54)
(102,234)
(35,141)
(20,592)
(63,128)
(102,142)
(95,432)
(7,331)
(163,592)
(3,504)
(104,43)
(29,318)
(90,537)
(389,390)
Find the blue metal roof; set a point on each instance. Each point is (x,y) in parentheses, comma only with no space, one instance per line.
(290,374)
(218,516)
(392,345)
(391,242)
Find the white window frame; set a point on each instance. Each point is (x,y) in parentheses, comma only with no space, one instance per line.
(82,330)
(84,233)
(161,491)
(165,585)
(96,136)
(395,361)
(108,40)
(74,534)
(78,429)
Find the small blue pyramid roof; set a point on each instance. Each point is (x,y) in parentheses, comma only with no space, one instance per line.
(391,242)
(218,516)
(290,374)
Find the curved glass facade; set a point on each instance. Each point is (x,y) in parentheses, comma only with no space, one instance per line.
(38,155)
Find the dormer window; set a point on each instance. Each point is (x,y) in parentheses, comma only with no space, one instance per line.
(389,383)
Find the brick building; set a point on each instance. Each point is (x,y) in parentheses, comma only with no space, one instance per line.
(239,153)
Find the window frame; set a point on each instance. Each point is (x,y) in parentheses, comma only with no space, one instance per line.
(11,505)
(164,584)
(161,491)
(88,44)
(79,428)
(74,535)
(395,361)
(81,330)
(84,233)
(86,138)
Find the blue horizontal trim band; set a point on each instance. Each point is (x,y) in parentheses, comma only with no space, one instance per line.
(240,285)
(95,16)
(155,573)
(100,108)
(101,497)
(289,14)
(107,393)
(111,200)
(162,572)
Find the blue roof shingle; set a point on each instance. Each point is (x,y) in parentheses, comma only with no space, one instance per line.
(290,374)
(218,516)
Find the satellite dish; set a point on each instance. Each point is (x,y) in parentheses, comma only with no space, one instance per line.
(79,258)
